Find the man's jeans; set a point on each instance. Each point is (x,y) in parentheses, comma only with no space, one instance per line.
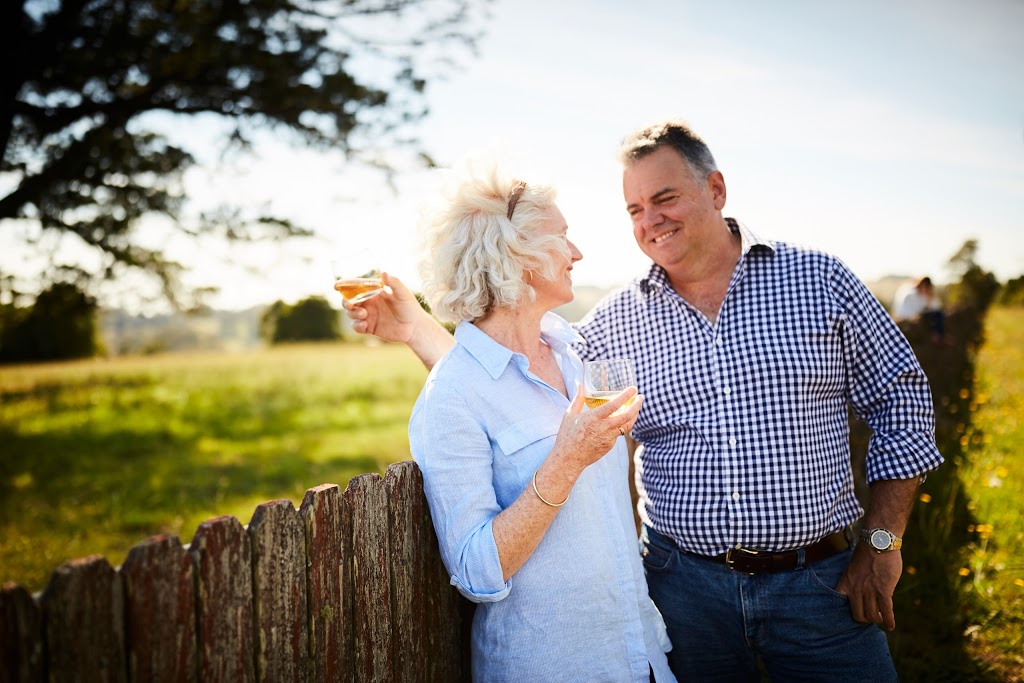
(721,620)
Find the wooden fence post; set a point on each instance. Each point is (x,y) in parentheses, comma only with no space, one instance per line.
(83,614)
(21,636)
(329,597)
(279,593)
(450,617)
(223,559)
(160,597)
(409,556)
(366,499)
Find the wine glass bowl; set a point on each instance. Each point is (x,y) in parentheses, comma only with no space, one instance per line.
(603,380)
(357,276)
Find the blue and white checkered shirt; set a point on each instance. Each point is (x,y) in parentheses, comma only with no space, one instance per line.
(744,429)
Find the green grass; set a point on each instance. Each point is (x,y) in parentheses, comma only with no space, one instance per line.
(994,480)
(95,456)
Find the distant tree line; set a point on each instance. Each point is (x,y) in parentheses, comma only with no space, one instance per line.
(1012,293)
(60,325)
(311,319)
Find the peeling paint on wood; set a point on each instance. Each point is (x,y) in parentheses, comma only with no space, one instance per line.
(330,657)
(159,582)
(223,559)
(366,498)
(83,616)
(279,593)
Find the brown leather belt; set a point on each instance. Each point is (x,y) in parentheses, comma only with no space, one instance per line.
(761,561)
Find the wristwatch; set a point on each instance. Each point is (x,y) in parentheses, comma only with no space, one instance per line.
(881,540)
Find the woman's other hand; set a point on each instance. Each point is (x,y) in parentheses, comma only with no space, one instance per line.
(585,436)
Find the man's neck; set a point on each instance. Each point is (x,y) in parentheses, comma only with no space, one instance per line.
(703,281)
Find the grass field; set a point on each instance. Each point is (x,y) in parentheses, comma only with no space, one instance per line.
(994,480)
(95,456)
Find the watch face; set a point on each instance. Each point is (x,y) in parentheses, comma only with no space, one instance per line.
(880,540)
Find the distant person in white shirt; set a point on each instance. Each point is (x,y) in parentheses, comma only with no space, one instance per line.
(918,300)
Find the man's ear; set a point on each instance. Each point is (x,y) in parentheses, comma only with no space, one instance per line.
(716,186)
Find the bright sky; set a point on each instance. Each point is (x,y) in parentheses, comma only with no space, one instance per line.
(884,131)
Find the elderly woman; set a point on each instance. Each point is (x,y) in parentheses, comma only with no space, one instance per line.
(528,491)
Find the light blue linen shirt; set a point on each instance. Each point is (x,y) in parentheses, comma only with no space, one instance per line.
(578,609)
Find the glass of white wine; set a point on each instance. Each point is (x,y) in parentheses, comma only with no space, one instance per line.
(357,276)
(603,380)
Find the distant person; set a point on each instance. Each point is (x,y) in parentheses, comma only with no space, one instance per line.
(918,300)
(749,354)
(528,492)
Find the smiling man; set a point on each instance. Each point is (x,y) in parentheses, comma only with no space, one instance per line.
(748,354)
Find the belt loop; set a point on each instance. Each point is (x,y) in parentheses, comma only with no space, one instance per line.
(801,557)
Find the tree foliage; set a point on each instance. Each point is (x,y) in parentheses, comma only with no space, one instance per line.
(80,158)
(1012,293)
(311,319)
(60,325)
(977,287)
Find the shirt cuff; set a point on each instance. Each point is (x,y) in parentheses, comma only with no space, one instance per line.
(475,596)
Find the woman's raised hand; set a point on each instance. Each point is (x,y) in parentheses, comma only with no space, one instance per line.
(391,316)
(585,436)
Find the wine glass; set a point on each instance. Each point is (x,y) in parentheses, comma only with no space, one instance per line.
(603,380)
(357,276)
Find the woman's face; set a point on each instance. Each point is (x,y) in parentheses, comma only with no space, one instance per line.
(554,293)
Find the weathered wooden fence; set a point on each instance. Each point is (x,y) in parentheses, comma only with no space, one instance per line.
(348,587)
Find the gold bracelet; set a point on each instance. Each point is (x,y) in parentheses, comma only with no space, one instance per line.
(542,499)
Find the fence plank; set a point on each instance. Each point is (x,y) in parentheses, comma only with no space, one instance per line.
(279,592)
(450,617)
(21,636)
(403,484)
(366,499)
(159,584)
(83,613)
(330,632)
(223,560)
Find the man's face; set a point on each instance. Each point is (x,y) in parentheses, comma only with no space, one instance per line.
(673,214)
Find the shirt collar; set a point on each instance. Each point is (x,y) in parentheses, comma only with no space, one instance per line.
(494,357)
(657,278)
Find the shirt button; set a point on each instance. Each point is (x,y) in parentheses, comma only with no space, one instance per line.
(735,495)
(732,442)
(727,391)
(718,342)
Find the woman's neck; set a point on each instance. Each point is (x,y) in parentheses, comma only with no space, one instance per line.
(516,329)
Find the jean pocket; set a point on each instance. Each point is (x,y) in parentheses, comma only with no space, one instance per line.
(826,573)
(656,557)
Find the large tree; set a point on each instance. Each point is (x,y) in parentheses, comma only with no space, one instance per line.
(80,157)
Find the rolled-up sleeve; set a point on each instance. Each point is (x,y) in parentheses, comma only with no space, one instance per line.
(886,385)
(454,454)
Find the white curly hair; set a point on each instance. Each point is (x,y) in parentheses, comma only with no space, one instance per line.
(474,255)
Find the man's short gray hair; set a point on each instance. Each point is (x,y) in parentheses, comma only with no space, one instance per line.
(674,133)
